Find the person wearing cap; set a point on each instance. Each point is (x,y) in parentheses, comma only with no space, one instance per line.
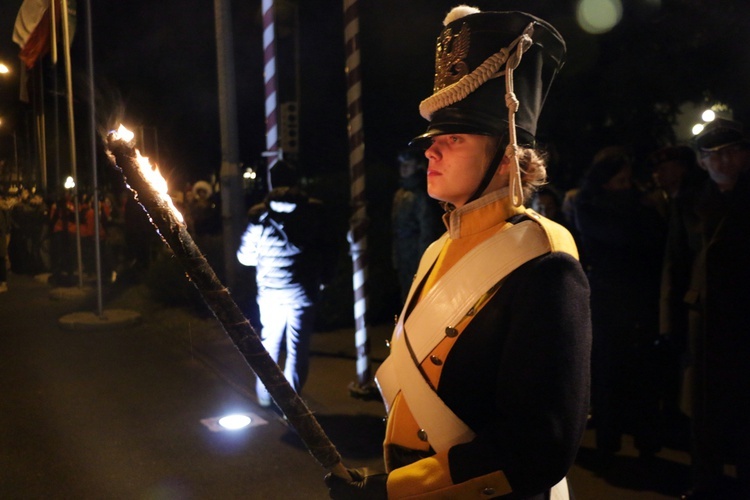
(487,380)
(712,241)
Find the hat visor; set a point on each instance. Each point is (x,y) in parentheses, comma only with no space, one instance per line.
(719,147)
(425,140)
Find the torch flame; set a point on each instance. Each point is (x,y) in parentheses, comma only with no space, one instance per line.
(151,174)
(124,134)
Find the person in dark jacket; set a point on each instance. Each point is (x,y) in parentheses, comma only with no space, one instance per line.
(678,178)
(416,218)
(287,242)
(622,235)
(716,230)
(486,384)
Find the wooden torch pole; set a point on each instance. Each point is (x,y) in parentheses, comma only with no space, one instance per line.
(168,223)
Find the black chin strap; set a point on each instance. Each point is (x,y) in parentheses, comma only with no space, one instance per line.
(491,170)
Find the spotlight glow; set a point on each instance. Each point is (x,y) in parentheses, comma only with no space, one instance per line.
(697,128)
(235,422)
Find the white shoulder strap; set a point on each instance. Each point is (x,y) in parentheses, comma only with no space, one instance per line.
(442,307)
(462,286)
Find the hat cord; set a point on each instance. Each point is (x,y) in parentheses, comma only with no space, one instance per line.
(486,71)
(511,101)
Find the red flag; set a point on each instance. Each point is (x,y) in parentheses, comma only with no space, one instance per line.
(33,26)
(32,30)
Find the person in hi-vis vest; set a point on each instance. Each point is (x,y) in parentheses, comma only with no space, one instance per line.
(487,380)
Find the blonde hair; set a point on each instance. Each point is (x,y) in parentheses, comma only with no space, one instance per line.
(533,170)
(533,164)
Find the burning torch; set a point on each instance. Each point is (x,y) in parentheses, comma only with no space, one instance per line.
(150,189)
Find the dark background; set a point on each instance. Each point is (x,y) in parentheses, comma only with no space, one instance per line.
(155,67)
(157,62)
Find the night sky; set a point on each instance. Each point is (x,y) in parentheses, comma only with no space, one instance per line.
(156,63)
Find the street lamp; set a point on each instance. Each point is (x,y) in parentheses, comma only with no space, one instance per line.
(4,70)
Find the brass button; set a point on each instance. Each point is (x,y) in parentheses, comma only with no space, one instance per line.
(488,491)
(422,435)
(435,360)
(451,332)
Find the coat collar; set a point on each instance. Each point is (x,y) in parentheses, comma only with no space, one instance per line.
(479,215)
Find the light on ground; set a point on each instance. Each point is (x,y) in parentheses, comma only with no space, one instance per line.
(234,422)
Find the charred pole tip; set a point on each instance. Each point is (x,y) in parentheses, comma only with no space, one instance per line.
(174,232)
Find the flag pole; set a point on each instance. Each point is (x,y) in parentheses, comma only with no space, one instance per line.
(272,153)
(92,152)
(357,235)
(232,213)
(72,133)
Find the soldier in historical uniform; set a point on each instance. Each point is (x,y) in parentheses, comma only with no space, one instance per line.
(487,381)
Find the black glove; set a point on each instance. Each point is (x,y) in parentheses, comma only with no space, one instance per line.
(361,486)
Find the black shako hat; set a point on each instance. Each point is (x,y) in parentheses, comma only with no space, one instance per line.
(469,95)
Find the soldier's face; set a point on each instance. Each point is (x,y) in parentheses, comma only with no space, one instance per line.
(457,163)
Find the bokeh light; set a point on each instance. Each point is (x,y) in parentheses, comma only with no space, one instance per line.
(598,16)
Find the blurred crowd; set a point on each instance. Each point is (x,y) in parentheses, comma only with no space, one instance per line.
(39,235)
(665,244)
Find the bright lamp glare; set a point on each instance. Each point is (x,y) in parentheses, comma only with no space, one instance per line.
(708,115)
(234,422)
(69,183)
(697,128)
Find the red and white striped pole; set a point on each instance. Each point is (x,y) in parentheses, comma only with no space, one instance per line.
(357,235)
(269,78)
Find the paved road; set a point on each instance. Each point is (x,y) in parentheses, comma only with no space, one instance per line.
(117,412)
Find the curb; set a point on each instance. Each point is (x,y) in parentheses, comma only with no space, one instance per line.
(110,318)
